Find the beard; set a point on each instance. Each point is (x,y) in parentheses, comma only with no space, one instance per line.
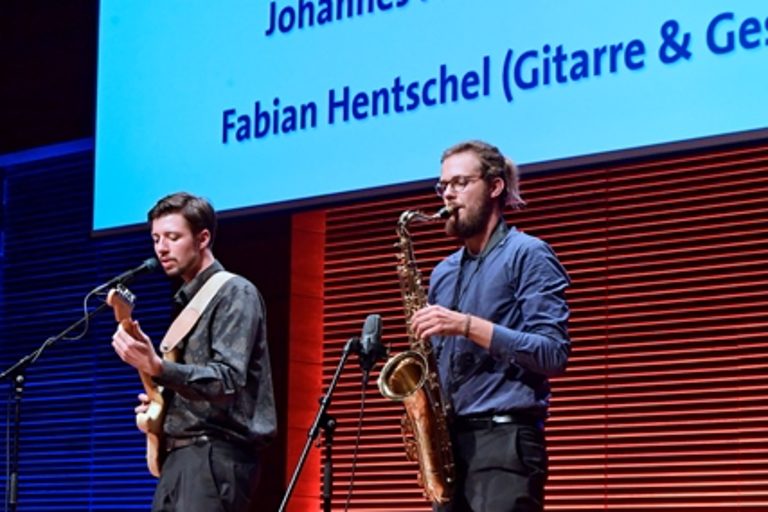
(475,219)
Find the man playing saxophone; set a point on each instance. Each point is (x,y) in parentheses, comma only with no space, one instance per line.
(497,318)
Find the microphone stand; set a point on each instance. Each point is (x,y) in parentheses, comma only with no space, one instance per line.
(16,375)
(328,424)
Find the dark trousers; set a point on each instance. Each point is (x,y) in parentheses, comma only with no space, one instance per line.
(209,476)
(500,468)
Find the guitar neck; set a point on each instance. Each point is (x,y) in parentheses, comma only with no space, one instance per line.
(150,388)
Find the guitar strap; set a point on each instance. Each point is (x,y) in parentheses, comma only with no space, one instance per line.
(189,316)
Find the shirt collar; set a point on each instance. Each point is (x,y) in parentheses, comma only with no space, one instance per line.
(499,232)
(186,292)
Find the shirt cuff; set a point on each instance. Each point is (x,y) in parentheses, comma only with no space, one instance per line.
(172,374)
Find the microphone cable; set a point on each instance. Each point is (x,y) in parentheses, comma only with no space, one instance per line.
(86,325)
(357,441)
(8,450)
(86,318)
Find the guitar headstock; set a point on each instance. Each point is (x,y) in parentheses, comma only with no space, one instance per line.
(122,300)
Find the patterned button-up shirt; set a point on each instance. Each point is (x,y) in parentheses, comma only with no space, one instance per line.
(222,384)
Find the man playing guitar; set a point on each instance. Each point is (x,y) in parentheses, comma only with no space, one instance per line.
(218,397)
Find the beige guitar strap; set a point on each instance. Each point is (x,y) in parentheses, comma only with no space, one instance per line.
(191,313)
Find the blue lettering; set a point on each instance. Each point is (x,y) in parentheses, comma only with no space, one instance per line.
(359,103)
(413,95)
(468,84)
(326,12)
(261,121)
(308,110)
(272,15)
(532,78)
(445,81)
(750,27)
(307,13)
(380,102)
(749,34)
(598,60)
(580,69)
(227,125)
(635,48)
(553,65)
(426,97)
(472,79)
(244,130)
(280,120)
(715,46)
(399,97)
(288,123)
(397,90)
(545,66)
(558,60)
(304,8)
(342,103)
(286,19)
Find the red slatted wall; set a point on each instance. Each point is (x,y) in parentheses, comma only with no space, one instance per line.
(664,403)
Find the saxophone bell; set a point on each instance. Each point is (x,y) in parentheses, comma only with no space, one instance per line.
(403,375)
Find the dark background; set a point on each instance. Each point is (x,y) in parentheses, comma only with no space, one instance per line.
(47,72)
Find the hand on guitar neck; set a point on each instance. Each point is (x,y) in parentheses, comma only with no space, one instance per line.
(135,348)
(131,344)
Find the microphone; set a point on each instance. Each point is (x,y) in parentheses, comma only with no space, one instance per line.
(149,265)
(371,348)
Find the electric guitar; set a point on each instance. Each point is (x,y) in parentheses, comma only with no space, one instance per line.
(150,422)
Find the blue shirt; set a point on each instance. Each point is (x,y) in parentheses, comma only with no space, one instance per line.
(518,284)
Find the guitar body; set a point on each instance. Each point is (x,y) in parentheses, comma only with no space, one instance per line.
(150,422)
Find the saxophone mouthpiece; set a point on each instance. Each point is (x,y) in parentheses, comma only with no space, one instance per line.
(409,216)
(444,212)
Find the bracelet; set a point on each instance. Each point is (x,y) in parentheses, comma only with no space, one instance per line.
(467,325)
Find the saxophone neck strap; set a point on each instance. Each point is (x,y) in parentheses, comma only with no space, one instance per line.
(499,233)
(189,316)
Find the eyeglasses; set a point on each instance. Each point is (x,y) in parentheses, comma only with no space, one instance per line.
(457,183)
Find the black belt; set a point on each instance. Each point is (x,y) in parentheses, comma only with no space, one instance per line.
(488,421)
(174,443)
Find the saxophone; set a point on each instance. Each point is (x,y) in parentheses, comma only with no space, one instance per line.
(411,378)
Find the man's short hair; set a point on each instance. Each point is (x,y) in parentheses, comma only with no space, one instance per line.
(493,164)
(197,211)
